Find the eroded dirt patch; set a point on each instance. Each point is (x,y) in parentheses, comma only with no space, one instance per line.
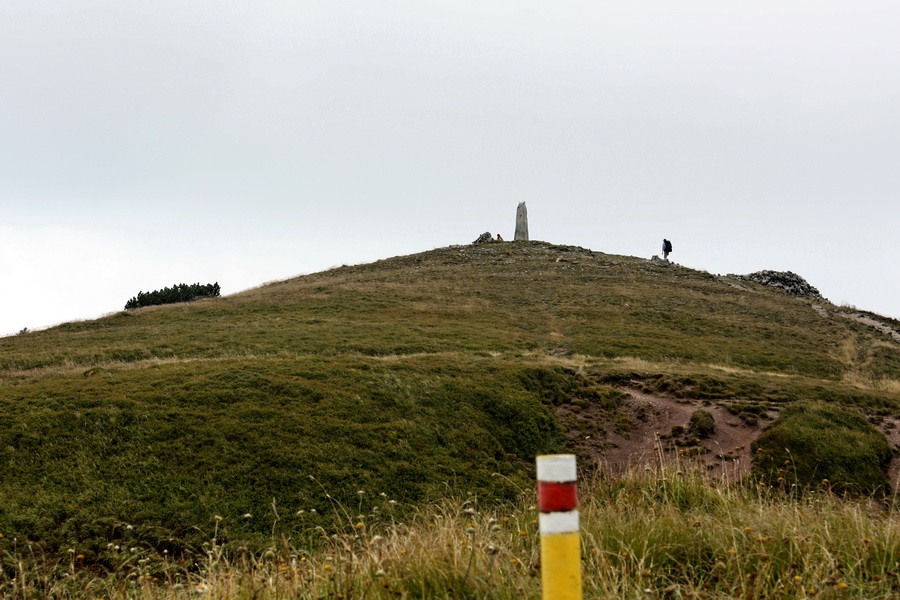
(641,434)
(890,427)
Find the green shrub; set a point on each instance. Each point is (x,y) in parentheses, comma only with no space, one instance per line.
(702,424)
(815,444)
(553,385)
(177,293)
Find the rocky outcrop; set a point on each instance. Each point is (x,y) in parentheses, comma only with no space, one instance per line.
(484,238)
(786,281)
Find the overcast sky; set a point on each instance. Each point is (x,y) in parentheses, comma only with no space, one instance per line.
(144,144)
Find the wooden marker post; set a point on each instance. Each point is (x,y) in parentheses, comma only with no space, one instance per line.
(560,537)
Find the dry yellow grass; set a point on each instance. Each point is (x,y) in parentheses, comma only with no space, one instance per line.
(665,532)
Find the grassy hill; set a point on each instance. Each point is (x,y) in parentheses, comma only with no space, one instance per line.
(269,412)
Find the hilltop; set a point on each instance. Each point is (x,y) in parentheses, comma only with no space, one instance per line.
(408,379)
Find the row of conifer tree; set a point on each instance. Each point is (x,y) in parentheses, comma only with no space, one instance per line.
(181,292)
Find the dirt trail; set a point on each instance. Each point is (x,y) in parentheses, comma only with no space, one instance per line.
(873,323)
(891,429)
(867,320)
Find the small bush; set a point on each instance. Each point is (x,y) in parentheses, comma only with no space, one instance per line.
(814,444)
(178,293)
(702,424)
(606,398)
(554,386)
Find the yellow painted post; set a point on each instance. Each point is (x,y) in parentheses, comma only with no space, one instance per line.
(560,535)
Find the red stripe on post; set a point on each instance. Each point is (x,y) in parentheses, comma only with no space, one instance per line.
(557,496)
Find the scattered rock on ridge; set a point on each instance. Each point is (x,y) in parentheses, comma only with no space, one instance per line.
(484,238)
(870,321)
(786,281)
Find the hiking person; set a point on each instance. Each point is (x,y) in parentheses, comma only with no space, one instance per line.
(499,239)
(667,247)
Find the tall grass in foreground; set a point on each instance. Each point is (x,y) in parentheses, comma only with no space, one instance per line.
(652,533)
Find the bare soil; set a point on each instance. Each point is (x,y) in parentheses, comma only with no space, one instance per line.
(890,426)
(642,435)
(648,439)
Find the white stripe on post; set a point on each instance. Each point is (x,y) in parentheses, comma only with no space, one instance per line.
(559,522)
(557,468)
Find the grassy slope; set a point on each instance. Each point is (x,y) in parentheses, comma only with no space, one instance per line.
(403,377)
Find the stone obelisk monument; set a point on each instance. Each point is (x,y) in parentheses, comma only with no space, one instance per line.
(521,223)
